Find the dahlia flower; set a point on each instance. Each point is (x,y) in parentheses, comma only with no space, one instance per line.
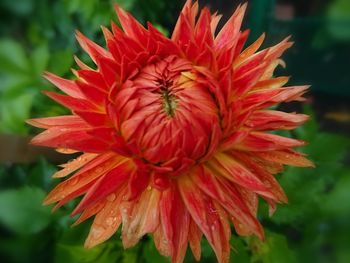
(174,133)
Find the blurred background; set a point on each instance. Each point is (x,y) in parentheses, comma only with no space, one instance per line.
(38,35)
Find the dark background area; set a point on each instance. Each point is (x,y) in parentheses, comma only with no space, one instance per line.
(38,35)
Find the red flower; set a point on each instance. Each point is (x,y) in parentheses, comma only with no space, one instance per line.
(175,133)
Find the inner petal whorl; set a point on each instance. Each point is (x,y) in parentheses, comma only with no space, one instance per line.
(169,115)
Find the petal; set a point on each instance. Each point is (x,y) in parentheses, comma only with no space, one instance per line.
(94,50)
(140,217)
(287,157)
(86,175)
(260,142)
(194,238)
(106,222)
(209,217)
(49,122)
(249,51)
(237,173)
(74,165)
(175,222)
(67,86)
(105,185)
(275,120)
(71,103)
(228,35)
(78,140)
(234,202)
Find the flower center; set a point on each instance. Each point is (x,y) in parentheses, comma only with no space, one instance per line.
(169,100)
(168,115)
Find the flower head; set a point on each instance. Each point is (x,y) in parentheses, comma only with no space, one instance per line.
(174,133)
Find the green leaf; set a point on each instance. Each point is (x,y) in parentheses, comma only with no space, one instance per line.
(151,254)
(104,253)
(14,113)
(22,210)
(40,58)
(274,250)
(239,251)
(334,203)
(61,61)
(13,58)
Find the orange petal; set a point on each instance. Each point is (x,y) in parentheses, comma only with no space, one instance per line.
(106,222)
(140,217)
(74,165)
(67,86)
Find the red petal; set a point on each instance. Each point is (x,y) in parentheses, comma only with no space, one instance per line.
(106,222)
(131,26)
(94,78)
(175,221)
(67,86)
(194,238)
(140,217)
(78,140)
(85,176)
(50,122)
(228,35)
(95,118)
(275,120)
(74,165)
(288,157)
(231,200)
(237,173)
(92,94)
(138,182)
(73,104)
(249,51)
(263,174)
(105,185)
(208,216)
(186,22)
(94,50)
(260,142)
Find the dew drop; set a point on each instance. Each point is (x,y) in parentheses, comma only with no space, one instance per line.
(149,188)
(111,197)
(73,181)
(111,220)
(96,232)
(99,169)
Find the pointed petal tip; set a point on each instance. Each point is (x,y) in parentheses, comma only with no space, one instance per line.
(119,10)
(88,244)
(32,122)
(48,201)
(244,6)
(46,74)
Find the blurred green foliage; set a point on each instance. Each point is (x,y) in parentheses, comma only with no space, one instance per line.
(38,35)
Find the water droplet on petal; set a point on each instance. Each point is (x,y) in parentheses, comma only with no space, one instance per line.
(111,197)
(96,231)
(73,181)
(111,220)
